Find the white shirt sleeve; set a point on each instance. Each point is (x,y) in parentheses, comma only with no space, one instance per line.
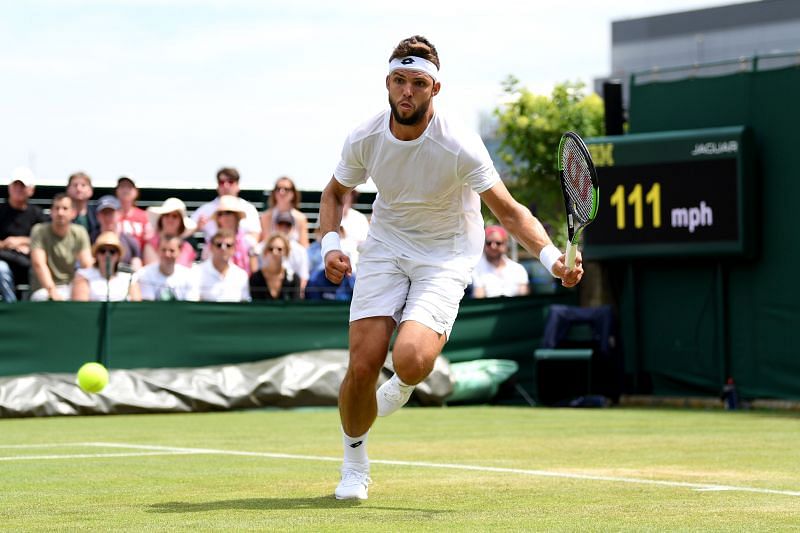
(475,166)
(351,170)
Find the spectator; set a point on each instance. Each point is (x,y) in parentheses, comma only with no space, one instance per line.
(17,218)
(273,281)
(285,198)
(107,212)
(131,219)
(169,219)
(219,279)
(496,274)
(55,248)
(321,288)
(298,257)
(167,279)
(314,253)
(354,223)
(228,216)
(79,188)
(227,184)
(104,281)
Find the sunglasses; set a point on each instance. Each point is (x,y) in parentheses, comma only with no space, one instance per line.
(284,189)
(103,250)
(495,243)
(223,245)
(278,249)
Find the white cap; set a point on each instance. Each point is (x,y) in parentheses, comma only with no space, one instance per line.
(23,174)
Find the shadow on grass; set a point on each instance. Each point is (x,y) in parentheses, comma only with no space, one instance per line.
(265,504)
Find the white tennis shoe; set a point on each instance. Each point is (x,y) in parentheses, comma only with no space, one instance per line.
(353,485)
(392,396)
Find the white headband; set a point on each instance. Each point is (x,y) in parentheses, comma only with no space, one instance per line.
(414,63)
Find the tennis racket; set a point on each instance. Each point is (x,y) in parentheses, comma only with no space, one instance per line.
(580,188)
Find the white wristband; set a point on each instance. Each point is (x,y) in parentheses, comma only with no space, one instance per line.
(548,257)
(330,242)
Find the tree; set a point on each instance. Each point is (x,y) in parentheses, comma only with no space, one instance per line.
(529,129)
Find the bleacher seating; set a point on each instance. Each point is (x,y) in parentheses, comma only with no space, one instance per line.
(194,198)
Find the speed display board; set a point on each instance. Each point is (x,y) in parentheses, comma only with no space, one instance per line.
(675,193)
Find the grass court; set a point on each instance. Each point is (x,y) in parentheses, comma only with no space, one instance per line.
(452,469)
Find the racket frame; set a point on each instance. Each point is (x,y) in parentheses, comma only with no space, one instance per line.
(573,232)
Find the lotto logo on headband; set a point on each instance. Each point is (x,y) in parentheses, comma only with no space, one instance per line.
(414,63)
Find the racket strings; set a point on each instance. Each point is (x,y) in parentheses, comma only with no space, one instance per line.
(577,181)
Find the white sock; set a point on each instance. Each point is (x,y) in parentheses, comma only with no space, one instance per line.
(403,386)
(355,452)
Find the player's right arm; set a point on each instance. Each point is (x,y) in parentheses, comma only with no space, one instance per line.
(337,264)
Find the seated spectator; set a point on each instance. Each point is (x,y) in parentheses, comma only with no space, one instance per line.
(79,188)
(132,220)
(298,256)
(273,281)
(355,225)
(218,278)
(227,185)
(167,279)
(320,288)
(55,248)
(104,281)
(496,274)
(285,198)
(107,212)
(17,218)
(170,220)
(227,217)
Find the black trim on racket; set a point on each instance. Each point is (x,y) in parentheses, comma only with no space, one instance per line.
(580,187)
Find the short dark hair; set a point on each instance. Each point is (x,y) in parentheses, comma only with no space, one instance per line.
(166,238)
(228,172)
(60,196)
(417,46)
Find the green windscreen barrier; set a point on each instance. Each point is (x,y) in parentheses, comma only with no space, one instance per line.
(690,323)
(60,336)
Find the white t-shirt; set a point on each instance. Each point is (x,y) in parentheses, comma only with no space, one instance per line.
(251,223)
(427,207)
(356,226)
(180,285)
(116,289)
(503,281)
(234,286)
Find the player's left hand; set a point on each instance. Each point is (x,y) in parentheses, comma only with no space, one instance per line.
(569,276)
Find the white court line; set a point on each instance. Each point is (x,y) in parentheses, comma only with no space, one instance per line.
(174,450)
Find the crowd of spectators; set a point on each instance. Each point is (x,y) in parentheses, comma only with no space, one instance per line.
(109,249)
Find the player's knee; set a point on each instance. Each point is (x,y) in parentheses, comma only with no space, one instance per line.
(363,370)
(412,366)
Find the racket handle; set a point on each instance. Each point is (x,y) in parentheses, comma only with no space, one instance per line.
(571,249)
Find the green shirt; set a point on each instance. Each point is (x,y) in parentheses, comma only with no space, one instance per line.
(62,252)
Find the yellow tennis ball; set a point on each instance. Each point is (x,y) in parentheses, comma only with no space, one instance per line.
(92,377)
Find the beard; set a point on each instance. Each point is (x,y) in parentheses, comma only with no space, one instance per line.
(412,119)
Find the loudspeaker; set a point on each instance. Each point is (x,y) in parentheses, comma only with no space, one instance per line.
(612,100)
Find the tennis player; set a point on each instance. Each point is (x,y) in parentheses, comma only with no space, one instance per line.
(425,237)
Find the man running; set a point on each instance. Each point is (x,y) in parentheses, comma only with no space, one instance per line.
(425,237)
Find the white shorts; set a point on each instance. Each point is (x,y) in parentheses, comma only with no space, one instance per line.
(407,289)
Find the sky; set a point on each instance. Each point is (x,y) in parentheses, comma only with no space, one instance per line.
(169,91)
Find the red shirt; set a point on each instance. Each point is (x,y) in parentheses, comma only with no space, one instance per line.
(135,223)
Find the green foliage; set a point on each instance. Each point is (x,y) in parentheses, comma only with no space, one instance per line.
(529,128)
